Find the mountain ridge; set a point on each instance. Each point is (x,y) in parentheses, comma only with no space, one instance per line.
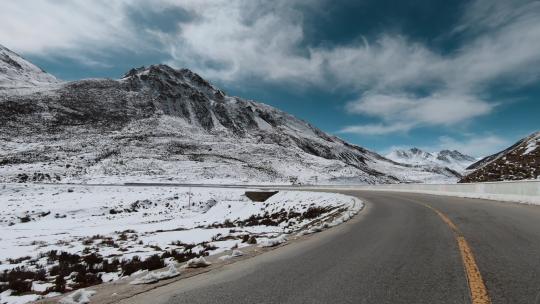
(517,162)
(452,159)
(160,123)
(16,72)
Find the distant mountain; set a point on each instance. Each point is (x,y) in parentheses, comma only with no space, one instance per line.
(519,161)
(159,124)
(454,160)
(16,72)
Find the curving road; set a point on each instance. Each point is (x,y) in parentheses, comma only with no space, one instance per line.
(396,251)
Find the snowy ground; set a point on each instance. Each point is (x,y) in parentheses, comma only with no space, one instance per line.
(59,237)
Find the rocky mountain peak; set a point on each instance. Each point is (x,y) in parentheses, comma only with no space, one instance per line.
(417,151)
(454,160)
(449,155)
(162,77)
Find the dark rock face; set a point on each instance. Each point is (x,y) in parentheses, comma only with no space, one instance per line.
(5,58)
(518,162)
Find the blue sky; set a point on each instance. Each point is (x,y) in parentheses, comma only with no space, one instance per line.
(381,74)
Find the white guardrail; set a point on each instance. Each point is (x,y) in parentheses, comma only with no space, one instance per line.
(514,191)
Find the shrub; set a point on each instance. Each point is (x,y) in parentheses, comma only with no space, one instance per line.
(92,259)
(250,239)
(18,260)
(111,266)
(20,280)
(135,264)
(25,219)
(59,285)
(109,242)
(314,212)
(87,279)
(180,257)
(184,245)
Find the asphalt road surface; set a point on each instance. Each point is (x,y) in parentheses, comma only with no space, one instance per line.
(395,251)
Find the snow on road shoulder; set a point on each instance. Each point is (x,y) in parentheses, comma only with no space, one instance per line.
(197,263)
(273,241)
(58,238)
(81,296)
(152,277)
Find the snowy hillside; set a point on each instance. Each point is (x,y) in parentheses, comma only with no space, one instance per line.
(100,234)
(161,124)
(454,160)
(520,161)
(16,72)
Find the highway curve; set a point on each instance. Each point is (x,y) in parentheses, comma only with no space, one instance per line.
(401,249)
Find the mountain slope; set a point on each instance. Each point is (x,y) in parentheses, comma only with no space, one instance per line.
(161,124)
(519,161)
(454,160)
(17,73)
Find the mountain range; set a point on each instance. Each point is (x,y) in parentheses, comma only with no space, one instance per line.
(157,123)
(452,159)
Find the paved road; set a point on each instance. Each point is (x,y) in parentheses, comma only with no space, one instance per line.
(397,251)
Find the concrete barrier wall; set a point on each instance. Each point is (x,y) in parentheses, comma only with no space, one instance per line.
(514,191)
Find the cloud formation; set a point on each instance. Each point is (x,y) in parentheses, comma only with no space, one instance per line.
(233,41)
(401,113)
(81,30)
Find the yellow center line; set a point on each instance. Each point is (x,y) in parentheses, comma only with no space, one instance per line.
(479,294)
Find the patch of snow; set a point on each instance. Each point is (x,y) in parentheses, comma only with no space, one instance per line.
(197,263)
(40,286)
(109,276)
(120,222)
(235,253)
(273,242)
(315,229)
(7,298)
(81,296)
(531,146)
(152,277)
(139,272)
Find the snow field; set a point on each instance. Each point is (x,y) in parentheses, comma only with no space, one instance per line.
(114,232)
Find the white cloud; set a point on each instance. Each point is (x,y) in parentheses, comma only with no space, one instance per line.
(234,41)
(391,68)
(377,129)
(38,26)
(86,31)
(391,62)
(400,113)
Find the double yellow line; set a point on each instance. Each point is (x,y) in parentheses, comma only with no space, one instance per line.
(479,294)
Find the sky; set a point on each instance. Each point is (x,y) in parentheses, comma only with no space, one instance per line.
(381,74)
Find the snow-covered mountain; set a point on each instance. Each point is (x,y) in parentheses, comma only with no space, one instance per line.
(161,124)
(16,72)
(519,161)
(454,160)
